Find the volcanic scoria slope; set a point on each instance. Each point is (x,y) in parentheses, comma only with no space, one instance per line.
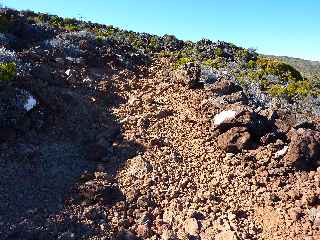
(112,134)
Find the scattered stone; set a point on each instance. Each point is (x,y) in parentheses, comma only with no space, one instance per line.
(193,76)
(67,236)
(126,235)
(227,235)
(225,87)
(304,149)
(168,216)
(168,234)
(234,140)
(224,116)
(139,167)
(281,152)
(191,226)
(143,230)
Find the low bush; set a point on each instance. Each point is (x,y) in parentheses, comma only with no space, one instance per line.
(182,61)
(218,52)
(56,21)
(72,28)
(4,24)
(275,67)
(7,71)
(214,63)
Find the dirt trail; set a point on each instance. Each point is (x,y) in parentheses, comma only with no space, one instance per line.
(186,176)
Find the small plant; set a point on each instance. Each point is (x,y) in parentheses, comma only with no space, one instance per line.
(218,52)
(214,63)
(246,55)
(164,53)
(56,21)
(72,28)
(107,32)
(69,21)
(300,88)
(153,44)
(135,40)
(99,39)
(39,19)
(7,71)
(182,61)
(251,64)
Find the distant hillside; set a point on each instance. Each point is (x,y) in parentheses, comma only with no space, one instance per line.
(309,69)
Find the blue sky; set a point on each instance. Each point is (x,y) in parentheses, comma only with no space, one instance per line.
(280,27)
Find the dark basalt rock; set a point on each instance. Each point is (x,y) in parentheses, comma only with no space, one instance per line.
(235,139)
(304,149)
(193,76)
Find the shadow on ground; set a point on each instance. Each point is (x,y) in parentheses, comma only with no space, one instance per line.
(41,167)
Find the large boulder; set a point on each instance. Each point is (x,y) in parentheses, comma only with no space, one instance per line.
(256,124)
(193,73)
(237,130)
(235,139)
(304,149)
(225,87)
(14,106)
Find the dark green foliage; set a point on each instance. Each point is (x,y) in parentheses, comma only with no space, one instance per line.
(287,81)
(275,67)
(217,63)
(153,44)
(244,55)
(218,52)
(4,24)
(72,28)
(300,88)
(56,21)
(7,71)
(251,64)
(99,39)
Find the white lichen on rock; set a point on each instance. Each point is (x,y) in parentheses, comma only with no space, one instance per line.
(224,116)
(281,152)
(30,103)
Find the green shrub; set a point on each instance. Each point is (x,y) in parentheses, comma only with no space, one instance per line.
(69,21)
(153,44)
(214,63)
(39,19)
(106,32)
(251,64)
(182,61)
(284,71)
(56,21)
(4,24)
(300,88)
(135,40)
(7,71)
(276,90)
(165,53)
(99,39)
(72,28)
(218,52)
